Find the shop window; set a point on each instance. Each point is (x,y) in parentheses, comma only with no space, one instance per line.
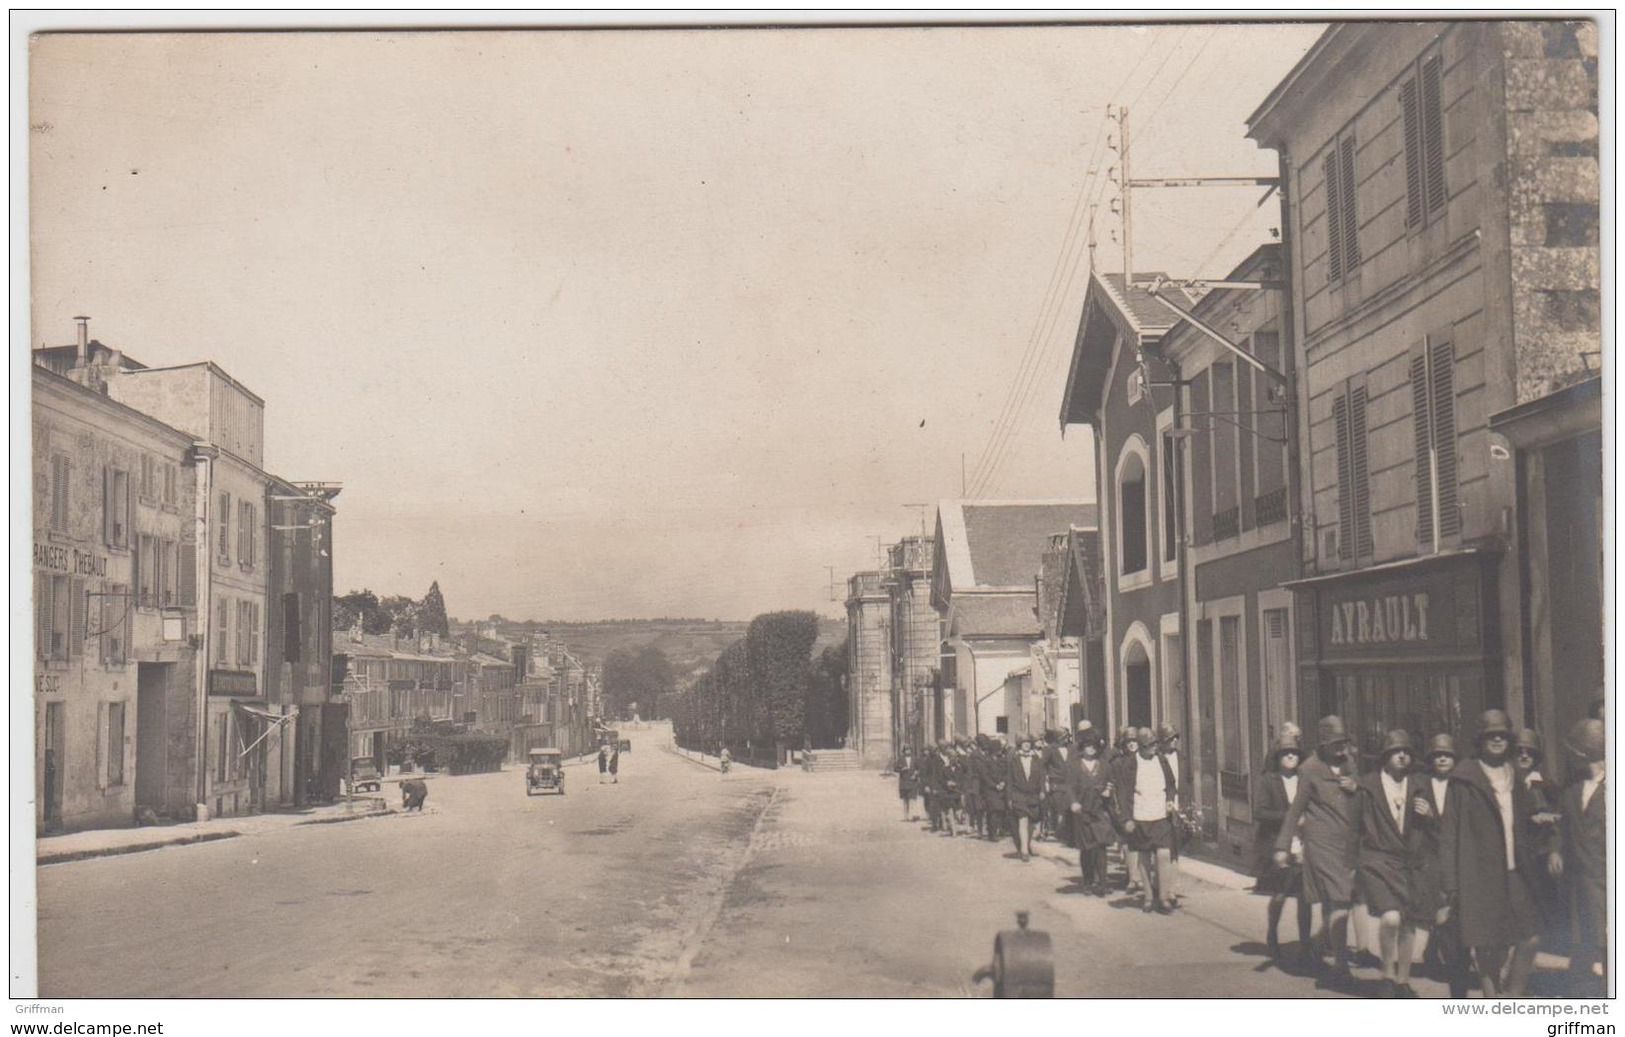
(1423,116)
(1433,399)
(1353,479)
(1342,217)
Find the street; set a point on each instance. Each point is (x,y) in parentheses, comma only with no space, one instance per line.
(677,881)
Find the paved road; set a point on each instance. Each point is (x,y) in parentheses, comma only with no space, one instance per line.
(604,891)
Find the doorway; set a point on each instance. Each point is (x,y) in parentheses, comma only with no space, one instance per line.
(151,724)
(1137,684)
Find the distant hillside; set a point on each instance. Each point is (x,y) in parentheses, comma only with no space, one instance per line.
(690,644)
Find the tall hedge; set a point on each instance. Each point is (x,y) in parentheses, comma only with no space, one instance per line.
(777,646)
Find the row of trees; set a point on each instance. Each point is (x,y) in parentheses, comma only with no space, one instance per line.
(381,615)
(767,690)
(637,680)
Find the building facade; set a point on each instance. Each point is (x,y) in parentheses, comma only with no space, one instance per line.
(115,605)
(869,691)
(916,637)
(1440,182)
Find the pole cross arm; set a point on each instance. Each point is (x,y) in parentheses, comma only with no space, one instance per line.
(1208,181)
(1196,322)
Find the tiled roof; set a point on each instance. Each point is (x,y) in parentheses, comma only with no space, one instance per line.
(1008,540)
(995,615)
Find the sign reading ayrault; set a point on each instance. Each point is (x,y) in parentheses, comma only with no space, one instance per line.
(1388,619)
(69,560)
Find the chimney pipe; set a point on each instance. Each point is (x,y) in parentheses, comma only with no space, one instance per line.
(84,340)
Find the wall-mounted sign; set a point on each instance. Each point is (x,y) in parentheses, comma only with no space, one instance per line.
(1386,619)
(234,683)
(1433,611)
(69,560)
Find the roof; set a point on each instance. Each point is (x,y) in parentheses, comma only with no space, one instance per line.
(1108,309)
(995,615)
(1005,541)
(1259,124)
(383,645)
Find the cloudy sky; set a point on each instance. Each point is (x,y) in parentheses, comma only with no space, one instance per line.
(633,323)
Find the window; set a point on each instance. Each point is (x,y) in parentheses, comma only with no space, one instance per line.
(115,743)
(1171,498)
(1277,671)
(246,530)
(222,727)
(1342,220)
(114,620)
(59,617)
(248,634)
(149,478)
(146,571)
(1433,402)
(1131,544)
(222,634)
(166,572)
(186,575)
(61,481)
(1270,444)
(1425,192)
(1353,483)
(290,627)
(1223,432)
(171,484)
(1230,692)
(116,507)
(223,519)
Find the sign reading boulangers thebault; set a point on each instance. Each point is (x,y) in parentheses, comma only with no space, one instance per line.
(1431,609)
(242,684)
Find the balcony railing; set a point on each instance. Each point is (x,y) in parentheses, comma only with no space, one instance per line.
(1271,507)
(1227,523)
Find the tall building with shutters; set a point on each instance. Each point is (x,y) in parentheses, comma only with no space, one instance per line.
(115,602)
(1441,213)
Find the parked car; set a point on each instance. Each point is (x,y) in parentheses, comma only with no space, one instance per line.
(364,776)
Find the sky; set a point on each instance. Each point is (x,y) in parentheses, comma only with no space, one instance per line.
(634,323)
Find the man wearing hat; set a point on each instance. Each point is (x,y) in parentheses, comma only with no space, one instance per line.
(1389,859)
(1090,807)
(1057,781)
(935,777)
(1276,791)
(1439,804)
(974,792)
(1322,815)
(1490,857)
(1024,783)
(1583,860)
(1143,791)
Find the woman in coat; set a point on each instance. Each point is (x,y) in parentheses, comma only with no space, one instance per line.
(1090,807)
(1024,795)
(1389,859)
(1275,794)
(908,783)
(1322,815)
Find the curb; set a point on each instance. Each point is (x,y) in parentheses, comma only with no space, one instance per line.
(68,856)
(342,818)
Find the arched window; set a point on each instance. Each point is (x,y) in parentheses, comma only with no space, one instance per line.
(1133,536)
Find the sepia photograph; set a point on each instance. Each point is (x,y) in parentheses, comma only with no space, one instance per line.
(912,508)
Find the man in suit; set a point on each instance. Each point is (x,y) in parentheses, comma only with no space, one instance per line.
(1024,783)
(1143,790)
(1491,856)
(1388,818)
(935,775)
(1322,816)
(1583,859)
(1089,787)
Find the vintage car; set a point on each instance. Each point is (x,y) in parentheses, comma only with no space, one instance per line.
(364,776)
(546,771)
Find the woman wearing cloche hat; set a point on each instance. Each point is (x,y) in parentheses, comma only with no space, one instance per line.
(1390,859)
(1276,790)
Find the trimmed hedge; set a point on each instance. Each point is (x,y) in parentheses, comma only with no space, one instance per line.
(465,753)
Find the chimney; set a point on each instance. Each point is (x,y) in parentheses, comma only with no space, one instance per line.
(84,341)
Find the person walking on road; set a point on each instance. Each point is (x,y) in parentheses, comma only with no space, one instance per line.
(1143,789)
(1490,857)
(908,783)
(1390,814)
(1090,808)
(1024,794)
(1442,799)
(603,762)
(615,765)
(1583,860)
(1322,815)
(1057,781)
(1276,792)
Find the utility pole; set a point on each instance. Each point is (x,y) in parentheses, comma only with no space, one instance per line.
(922,508)
(1126,195)
(831,569)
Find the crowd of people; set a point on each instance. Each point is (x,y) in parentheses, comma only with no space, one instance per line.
(1481,852)
(1071,789)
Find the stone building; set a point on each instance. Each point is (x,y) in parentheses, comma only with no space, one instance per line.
(116,624)
(915,642)
(870,727)
(1441,193)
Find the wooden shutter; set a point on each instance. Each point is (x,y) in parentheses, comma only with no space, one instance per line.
(1422,420)
(225,527)
(1409,103)
(1442,360)
(107,506)
(1351,221)
(1433,131)
(1345,480)
(186,576)
(1362,483)
(61,474)
(42,616)
(1334,220)
(78,617)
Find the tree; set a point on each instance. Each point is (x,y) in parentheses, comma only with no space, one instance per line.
(777,645)
(362,605)
(642,677)
(827,713)
(402,612)
(432,613)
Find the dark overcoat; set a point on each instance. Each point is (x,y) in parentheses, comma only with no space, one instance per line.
(1093,821)
(1389,862)
(1024,792)
(1322,815)
(1585,864)
(1269,810)
(908,777)
(1475,872)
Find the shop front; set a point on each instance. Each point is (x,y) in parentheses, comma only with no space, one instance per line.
(1412,646)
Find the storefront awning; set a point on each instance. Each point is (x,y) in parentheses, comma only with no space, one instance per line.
(1564,414)
(1391,568)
